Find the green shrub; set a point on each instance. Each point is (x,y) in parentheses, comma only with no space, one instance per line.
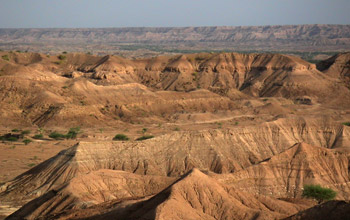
(144,130)
(5,57)
(61,57)
(145,137)
(58,62)
(25,132)
(31,165)
(56,135)
(38,136)
(11,139)
(120,137)
(346,123)
(64,52)
(27,141)
(72,133)
(15,130)
(319,193)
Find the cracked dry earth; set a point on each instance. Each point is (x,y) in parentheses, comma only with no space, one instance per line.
(235,136)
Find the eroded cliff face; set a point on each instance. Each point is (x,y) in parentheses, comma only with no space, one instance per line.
(219,151)
(338,67)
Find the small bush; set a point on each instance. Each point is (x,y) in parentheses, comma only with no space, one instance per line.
(121,137)
(61,57)
(144,130)
(57,136)
(346,123)
(11,139)
(5,57)
(72,133)
(26,141)
(64,52)
(38,136)
(319,193)
(15,130)
(145,137)
(25,132)
(31,165)
(58,62)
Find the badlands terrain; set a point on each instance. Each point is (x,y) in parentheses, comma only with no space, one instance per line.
(204,136)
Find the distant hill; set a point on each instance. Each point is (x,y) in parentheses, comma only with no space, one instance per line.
(241,38)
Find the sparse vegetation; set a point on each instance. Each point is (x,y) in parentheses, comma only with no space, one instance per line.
(56,135)
(347,123)
(145,137)
(58,62)
(319,193)
(12,138)
(26,141)
(9,137)
(236,123)
(72,133)
(177,129)
(25,132)
(64,87)
(64,52)
(5,57)
(144,130)
(38,136)
(120,137)
(31,165)
(61,57)
(15,130)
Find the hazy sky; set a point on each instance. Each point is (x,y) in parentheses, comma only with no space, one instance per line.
(151,13)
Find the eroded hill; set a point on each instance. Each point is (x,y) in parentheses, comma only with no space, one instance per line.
(210,135)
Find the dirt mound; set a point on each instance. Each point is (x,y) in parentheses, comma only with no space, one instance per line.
(337,210)
(93,188)
(193,196)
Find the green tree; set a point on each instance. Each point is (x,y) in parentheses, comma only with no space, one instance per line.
(26,141)
(319,193)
